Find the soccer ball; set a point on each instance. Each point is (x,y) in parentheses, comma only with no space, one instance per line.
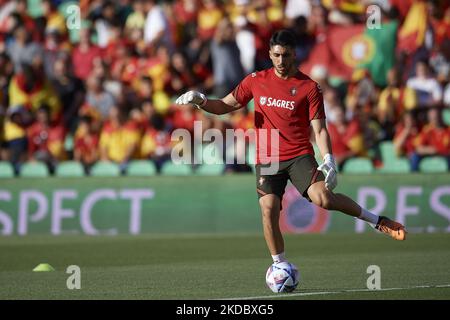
(282,277)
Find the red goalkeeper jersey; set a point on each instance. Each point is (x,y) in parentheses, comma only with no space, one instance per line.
(288,105)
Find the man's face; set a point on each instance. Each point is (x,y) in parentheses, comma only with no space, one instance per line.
(283,59)
(43,117)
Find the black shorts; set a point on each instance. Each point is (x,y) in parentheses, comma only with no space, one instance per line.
(301,171)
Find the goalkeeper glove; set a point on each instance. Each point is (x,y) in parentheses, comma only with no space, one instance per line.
(328,167)
(192,97)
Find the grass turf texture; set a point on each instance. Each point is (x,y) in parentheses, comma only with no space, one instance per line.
(228,266)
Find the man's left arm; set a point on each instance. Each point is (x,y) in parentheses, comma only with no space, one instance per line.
(328,167)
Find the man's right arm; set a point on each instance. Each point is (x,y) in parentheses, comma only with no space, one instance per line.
(222,106)
(216,106)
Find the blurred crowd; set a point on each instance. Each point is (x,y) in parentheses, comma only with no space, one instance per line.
(102,87)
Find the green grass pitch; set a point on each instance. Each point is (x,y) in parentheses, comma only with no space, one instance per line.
(332,266)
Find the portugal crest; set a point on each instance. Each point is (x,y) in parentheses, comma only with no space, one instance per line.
(293,91)
(262,100)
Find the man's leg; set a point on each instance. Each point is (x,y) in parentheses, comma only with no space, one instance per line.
(326,199)
(270,209)
(270,189)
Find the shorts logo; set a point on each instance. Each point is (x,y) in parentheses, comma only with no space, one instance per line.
(261,181)
(293,91)
(262,100)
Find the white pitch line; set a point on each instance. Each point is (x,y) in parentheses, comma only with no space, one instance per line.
(302,294)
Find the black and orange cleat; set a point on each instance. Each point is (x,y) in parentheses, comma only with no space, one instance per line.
(392,228)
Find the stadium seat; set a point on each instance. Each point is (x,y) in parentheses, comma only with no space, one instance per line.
(105,169)
(6,170)
(446,116)
(69,169)
(388,153)
(210,154)
(34,170)
(172,169)
(230,153)
(335,82)
(251,156)
(358,165)
(63,7)
(400,165)
(69,143)
(34,8)
(251,105)
(210,169)
(141,168)
(433,164)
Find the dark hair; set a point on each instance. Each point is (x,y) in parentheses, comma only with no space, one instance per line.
(87,119)
(157,121)
(44,108)
(284,38)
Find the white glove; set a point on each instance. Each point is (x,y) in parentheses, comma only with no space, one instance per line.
(192,97)
(328,167)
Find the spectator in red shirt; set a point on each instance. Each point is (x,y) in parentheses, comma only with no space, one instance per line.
(439,20)
(86,144)
(156,144)
(46,139)
(433,140)
(405,133)
(84,54)
(183,118)
(346,138)
(186,12)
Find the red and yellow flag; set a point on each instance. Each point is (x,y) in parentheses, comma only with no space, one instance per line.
(412,33)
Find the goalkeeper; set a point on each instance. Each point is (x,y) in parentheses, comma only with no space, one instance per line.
(290,102)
